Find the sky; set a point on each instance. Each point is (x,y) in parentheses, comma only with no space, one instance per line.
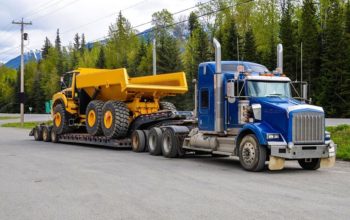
(90,17)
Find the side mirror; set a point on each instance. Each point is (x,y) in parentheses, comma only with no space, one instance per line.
(230,90)
(63,85)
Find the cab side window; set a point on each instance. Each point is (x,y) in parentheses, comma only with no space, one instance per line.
(204,99)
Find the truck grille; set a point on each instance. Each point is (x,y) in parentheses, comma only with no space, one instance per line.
(308,127)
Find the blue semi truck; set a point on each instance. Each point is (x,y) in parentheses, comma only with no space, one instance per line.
(244,110)
(241,110)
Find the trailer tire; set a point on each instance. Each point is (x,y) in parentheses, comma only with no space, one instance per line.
(115,119)
(252,155)
(138,141)
(170,144)
(167,106)
(155,141)
(314,164)
(54,136)
(146,132)
(60,120)
(47,133)
(94,118)
(38,133)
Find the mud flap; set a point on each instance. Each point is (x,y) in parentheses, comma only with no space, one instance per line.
(327,162)
(276,163)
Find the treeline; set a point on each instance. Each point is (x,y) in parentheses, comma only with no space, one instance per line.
(248,30)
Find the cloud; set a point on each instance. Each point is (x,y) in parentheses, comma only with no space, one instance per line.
(74,16)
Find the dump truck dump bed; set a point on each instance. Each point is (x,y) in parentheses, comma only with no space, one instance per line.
(117,85)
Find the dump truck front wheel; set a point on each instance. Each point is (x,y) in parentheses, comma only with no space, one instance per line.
(60,119)
(115,122)
(310,164)
(94,117)
(167,106)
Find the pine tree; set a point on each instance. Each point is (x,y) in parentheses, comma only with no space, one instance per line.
(249,50)
(333,63)
(82,44)
(288,40)
(101,61)
(346,84)
(76,43)
(58,47)
(46,47)
(310,39)
(228,37)
(193,22)
(58,41)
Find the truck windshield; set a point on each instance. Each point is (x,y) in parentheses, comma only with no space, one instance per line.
(268,89)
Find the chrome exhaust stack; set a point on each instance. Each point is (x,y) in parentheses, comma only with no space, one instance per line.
(218,87)
(279,58)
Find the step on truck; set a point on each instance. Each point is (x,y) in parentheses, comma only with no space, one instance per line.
(241,110)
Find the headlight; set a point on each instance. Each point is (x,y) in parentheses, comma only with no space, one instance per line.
(272,136)
(327,135)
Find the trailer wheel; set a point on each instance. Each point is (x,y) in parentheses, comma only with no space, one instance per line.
(167,106)
(38,133)
(60,119)
(94,117)
(138,141)
(47,133)
(146,132)
(252,155)
(311,164)
(54,136)
(155,141)
(170,144)
(115,119)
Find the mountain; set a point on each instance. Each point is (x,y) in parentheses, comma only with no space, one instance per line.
(31,55)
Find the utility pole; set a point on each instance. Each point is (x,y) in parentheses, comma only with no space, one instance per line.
(21,94)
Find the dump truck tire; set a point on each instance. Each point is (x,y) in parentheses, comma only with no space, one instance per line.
(167,106)
(170,144)
(93,122)
(60,120)
(38,133)
(314,164)
(252,155)
(155,141)
(47,133)
(115,122)
(138,141)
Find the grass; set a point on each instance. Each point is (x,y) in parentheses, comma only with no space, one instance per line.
(27,125)
(8,117)
(341,136)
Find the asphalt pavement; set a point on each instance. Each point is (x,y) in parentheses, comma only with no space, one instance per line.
(41,180)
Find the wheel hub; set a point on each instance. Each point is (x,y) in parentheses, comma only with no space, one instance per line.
(91,118)
(108,119)
(248,153)
(57,119)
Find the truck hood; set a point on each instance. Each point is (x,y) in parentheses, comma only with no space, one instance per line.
(276,112)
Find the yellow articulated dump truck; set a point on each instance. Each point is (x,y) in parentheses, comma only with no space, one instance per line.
(107,105)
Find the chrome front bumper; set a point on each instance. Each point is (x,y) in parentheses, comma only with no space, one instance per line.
(282,150)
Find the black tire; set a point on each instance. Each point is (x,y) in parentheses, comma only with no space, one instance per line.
(54,136)
(119,123)
(170,144)
(38,133)
(314,164)
(252,155)
(155,141)
(94,118)
(167,106)
(60,125)
(47,133)
(146,132)
(138,141)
